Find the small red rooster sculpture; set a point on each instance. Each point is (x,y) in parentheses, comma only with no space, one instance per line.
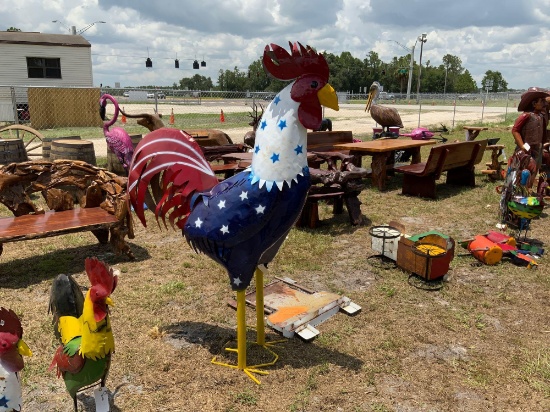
(84,327)
(118,139)
(12,350)
(241,222)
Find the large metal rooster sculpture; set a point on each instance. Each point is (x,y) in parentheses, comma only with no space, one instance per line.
(118,139)
(12,350)
(383,115)
(84,327)
(242,222)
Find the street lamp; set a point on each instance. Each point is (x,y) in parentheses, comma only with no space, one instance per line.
(422,39)
(89,26)
(63,24)
(73,30)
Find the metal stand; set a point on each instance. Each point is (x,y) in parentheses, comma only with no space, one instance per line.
(385,234)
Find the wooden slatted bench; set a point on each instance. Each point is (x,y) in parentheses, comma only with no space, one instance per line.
(51,223)
(100,195)
(457,159)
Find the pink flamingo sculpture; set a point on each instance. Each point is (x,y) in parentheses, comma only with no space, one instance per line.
(118,139)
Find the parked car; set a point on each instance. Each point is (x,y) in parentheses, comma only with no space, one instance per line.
(160,95)
(467,97)
(126,94)
(386,96)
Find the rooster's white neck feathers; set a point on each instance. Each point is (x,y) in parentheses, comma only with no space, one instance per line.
(280,150)
(10,390)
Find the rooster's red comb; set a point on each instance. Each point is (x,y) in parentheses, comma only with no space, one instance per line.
(100,273)
(10,323)
(285,66)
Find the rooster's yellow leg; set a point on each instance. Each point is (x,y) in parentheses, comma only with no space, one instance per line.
(260,322)
(260,319)
(241,330)
(241,343)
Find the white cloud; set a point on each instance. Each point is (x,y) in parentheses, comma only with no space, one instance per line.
(503,35)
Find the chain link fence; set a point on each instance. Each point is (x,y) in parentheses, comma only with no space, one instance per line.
(58,111)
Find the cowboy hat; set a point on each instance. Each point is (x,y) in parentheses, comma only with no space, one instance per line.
(533,93)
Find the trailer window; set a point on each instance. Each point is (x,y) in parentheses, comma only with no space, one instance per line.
(43,68)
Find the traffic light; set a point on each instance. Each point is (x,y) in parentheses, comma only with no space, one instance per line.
(177,64)
(196,65)
(148,62)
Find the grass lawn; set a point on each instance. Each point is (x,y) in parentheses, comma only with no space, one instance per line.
(480,342)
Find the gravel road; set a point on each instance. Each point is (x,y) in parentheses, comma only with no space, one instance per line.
(349,117)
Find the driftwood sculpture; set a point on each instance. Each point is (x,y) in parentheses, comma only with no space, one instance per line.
(147,120)
(250,137)
(64,184)
(383,115)
(204,137)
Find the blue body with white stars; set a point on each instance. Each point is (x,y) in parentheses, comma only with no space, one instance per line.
(243,221)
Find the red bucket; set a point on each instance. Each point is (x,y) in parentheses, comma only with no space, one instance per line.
(485,251)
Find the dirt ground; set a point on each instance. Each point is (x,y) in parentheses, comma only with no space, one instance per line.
(349,117)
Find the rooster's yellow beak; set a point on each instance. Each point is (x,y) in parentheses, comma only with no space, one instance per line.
(327,97)
(23,349)
(109,301)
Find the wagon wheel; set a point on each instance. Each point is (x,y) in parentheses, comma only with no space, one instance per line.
(35,138)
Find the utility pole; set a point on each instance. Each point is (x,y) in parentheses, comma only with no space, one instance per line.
(411,51)
(422,41)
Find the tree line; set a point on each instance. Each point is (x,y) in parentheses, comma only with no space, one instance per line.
(351,74)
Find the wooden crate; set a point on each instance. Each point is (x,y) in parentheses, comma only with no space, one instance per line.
(427,267)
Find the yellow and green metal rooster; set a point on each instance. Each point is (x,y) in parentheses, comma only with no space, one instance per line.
(84,327)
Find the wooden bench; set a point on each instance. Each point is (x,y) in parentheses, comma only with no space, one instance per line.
(78,196)
(325,142)
(457,159)
(340,182)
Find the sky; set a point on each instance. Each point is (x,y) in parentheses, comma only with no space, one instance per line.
(509,36)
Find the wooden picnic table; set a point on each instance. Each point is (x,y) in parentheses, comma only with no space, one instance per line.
(381,150)
(472,132)
(237,157)
(245,159)
(340,181)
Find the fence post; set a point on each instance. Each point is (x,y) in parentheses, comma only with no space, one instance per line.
(507,102)
(454,110)
(14,106)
